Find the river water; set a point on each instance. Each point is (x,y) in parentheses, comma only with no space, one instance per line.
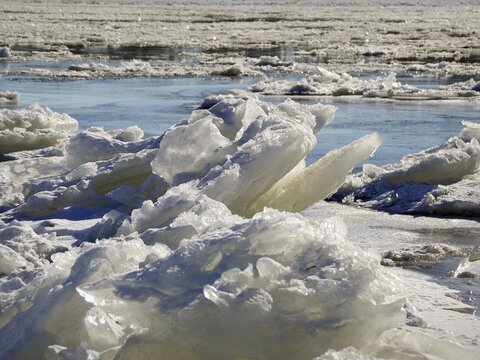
(155,104)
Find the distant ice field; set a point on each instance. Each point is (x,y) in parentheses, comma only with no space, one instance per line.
(155,104)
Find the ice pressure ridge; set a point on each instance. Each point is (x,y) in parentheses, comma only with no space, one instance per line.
(116,246)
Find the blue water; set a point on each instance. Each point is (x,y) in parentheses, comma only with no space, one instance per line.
(155,104)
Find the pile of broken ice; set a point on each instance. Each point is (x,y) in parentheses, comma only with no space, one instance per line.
(115,246)
(443,180)
(322,82)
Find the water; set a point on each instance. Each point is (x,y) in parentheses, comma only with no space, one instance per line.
(155,104)
(405,127)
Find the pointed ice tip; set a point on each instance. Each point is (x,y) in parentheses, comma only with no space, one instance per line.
(372,140)
(319,180)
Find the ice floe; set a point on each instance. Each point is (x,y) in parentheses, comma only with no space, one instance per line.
(245,134)
(237,67)
(425,256)
(5,52)
(322,82)
(276,268)
(33,128)
(9,97)
(119,168)
(442,180)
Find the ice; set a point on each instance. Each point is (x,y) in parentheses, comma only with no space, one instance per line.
(8,193)
(33,128)
(387,38)
(446,164)
(349,353)
(211,100)
(322,82)
(470,131)
(444,303)
(47,196)
(132,68)
(164,246)
(337,164)
(271,61)
(190,150)
(5,52)
(440,180)
(24,169)
(264,278)
(9,97)
(96,144)
(468,267)
(114,169)
(244,134)
(238,69)
(425,257)
(393,344)
(11,261)
(34,249)
(84,227)
(90,263)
